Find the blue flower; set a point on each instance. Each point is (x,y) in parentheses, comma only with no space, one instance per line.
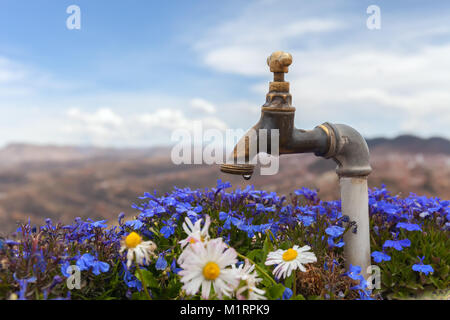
(161,263)
(287,294)
(169,201)
(365,295)
(183,207)
(120,218)
(173,267)
(362,285)
(23,283)
(409,226)
(388,207)
(99,224)
(130,280)
(379,256)
(423,268)
(147,213)
(261,208)
(56,280)
(192,215)
(64,267)
(223,185)
(354,272)
(11,242)
(307,193)
(446,227)
(334,231)
(88,261)
(168,229)
(134,224)
(306,220)
(41,263)
(229,219)
(397,244)
(332,244)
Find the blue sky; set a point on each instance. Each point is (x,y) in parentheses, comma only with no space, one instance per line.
(137,70)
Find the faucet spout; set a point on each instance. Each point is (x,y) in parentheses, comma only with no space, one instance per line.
(241,160)
(275,133)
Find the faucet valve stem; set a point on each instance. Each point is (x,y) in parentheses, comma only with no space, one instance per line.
(279,63)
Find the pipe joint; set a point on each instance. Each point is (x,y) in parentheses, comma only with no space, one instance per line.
(348,149)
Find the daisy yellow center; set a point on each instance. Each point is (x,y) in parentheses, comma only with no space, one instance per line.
(290,255)
(211,271)
(132,240)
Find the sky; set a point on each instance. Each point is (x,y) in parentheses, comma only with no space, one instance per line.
(137,70)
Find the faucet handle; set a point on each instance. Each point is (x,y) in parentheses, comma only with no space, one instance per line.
(279,61)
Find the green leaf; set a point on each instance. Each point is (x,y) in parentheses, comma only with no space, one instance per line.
(267,246)
(276,292)
(149,279)
(256,255)
(138,296)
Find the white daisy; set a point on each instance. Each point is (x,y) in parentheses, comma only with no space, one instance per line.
(248,280)
(195,234)
(205,265)
(138,249)
(289,260)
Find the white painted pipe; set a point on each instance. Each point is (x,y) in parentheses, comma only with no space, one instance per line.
(355,205)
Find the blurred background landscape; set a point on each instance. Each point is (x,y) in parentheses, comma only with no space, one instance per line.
(62,183)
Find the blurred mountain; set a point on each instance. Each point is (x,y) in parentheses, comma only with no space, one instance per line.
(411,144)
(64,182)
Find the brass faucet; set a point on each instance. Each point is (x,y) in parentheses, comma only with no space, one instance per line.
(340,142)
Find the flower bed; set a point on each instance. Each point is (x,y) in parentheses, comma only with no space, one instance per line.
(244,244)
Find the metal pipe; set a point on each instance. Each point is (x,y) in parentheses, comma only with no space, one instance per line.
(350,151)
(354,203)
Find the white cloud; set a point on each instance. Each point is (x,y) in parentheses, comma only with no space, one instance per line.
(102,117)
(105,127)
(240,44)
(381,88)
(9,72)
(240,47)
(203,105)
(392,91)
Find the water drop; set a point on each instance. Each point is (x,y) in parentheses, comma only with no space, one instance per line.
(247,176)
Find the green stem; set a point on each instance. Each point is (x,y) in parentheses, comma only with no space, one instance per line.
(271,233)
(143,281)
(294,285)
(257,267)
